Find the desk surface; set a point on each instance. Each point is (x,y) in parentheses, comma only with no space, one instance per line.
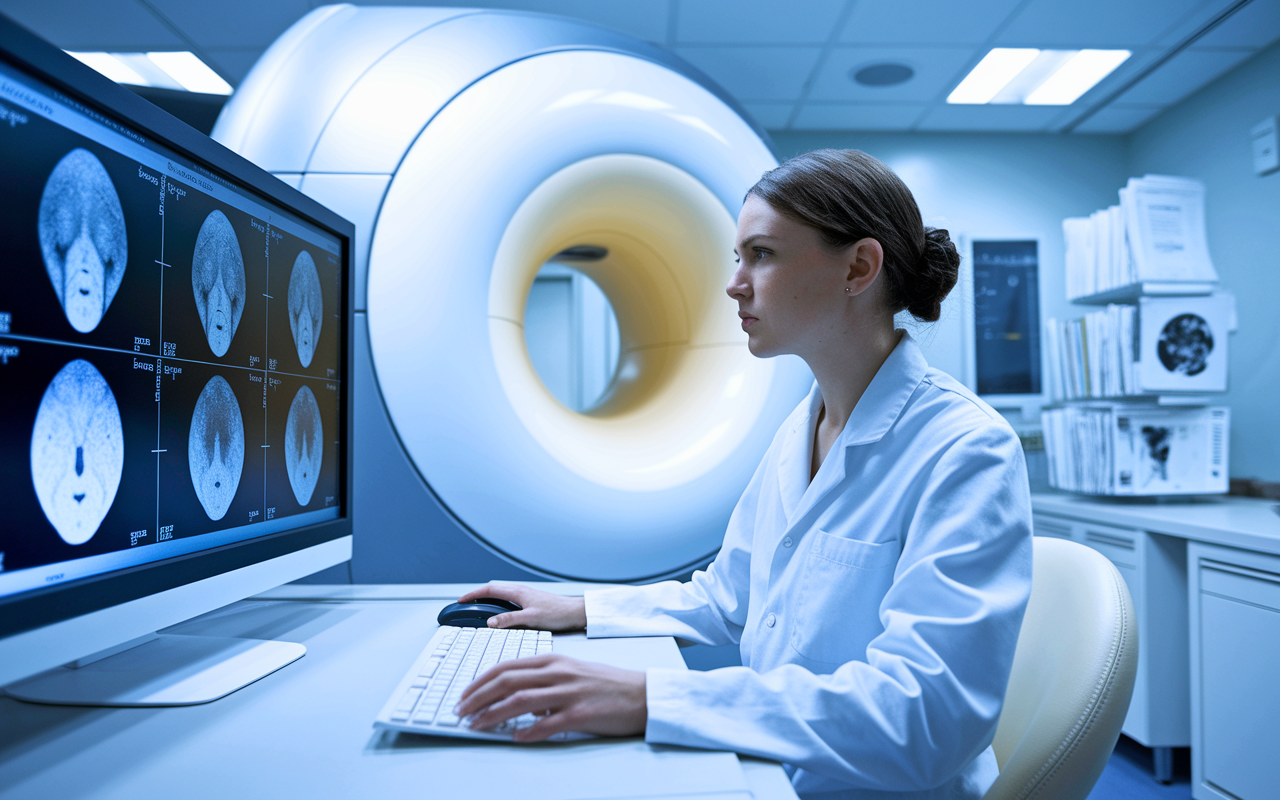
(1244,522)
(306,730)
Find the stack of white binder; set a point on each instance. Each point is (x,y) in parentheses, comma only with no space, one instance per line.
(1135,378)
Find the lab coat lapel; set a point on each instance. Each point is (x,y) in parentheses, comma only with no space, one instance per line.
(795,457)
(876,411)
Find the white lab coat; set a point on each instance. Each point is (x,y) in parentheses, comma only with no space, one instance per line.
(877,608)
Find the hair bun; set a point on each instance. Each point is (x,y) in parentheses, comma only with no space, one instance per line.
(936,274)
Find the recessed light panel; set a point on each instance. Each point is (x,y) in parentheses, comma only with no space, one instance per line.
(1035,77)
(183,70)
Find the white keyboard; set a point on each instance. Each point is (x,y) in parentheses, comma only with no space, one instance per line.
(426,696)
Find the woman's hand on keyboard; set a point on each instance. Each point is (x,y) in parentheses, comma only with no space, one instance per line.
(568,694)
(538,609)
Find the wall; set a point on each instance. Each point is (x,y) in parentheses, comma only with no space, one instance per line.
(999,186)
(1207,137)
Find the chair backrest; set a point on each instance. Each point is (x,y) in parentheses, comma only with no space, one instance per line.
(1072,677)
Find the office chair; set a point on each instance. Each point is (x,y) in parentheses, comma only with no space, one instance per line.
(1072,677)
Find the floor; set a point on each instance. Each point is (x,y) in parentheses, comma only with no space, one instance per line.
(1128,775)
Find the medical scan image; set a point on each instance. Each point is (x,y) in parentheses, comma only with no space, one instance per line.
(215,447)
(217,276)
(82,237)
(1185,344)
(303,444)
(305,307)
(77,451)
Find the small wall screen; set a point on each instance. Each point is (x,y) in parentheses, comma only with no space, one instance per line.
(1006,315)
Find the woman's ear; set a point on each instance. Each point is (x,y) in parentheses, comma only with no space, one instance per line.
(865,258)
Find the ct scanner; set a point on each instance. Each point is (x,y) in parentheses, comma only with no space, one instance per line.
(470,147)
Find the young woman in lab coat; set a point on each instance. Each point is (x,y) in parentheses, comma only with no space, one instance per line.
(877,567)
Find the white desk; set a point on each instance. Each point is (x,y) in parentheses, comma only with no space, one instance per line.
(306,730)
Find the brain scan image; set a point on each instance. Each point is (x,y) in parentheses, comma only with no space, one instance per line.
(303,445)
(305,306)
(1185,344)
(82,237)
(215,447)
(77,451)
(217,276)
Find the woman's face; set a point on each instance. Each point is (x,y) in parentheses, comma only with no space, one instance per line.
(790,285)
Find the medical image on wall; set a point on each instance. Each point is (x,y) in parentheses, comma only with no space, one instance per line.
(302,468)
(81,226)
(213,293)
(77,452)
(218,281)
(211,435)
(303,336)
(215,447)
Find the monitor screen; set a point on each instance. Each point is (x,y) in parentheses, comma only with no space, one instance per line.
(172,350)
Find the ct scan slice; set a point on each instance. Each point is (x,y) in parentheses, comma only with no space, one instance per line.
(303,445)
(305,306)
(82,237)
(215,448)
(77,451)
(217,276)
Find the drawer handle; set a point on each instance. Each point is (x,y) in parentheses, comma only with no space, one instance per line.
(1114,541)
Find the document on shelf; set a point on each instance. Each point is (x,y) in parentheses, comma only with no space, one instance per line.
(1165,219)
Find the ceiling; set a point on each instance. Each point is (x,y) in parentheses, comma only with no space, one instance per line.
(787,62)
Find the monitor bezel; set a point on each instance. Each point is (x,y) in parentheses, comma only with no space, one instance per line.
(30,610)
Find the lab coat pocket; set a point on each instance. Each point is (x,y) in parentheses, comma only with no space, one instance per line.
(842,584)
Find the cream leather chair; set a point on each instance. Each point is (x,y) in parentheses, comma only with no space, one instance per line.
(1072,677)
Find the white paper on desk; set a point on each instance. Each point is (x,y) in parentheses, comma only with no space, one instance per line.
(1165,218)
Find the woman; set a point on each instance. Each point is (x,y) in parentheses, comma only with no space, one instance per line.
(877,567)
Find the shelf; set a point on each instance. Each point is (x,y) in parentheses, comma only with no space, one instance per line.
(1141,399)
(1131,292)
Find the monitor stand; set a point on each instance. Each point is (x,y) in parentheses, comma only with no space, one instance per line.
(159,670)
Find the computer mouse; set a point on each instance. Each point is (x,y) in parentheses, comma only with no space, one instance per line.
(474,614)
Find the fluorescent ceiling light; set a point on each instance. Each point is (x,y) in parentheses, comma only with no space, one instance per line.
(188,70)
(110,66)
(1077,76)
(174,70)
(993,72)
(1036,77)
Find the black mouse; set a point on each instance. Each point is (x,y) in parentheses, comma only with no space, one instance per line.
(474,614)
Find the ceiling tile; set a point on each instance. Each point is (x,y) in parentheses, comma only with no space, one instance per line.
(1118,118)
(100,25)
(936,68)
(857,117)
(988,118)
(770,116)
(222,24)
(755,73)
(926,21)
(233,64)
(1182,75)
(715,21)
(1255,25)
(1094,23)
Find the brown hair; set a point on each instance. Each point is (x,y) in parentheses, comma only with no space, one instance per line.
(848,195)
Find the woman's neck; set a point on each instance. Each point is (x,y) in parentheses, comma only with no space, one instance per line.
(843,373)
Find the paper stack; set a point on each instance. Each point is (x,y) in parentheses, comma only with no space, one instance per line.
(1162,345)
(1137,450)
(1156,234)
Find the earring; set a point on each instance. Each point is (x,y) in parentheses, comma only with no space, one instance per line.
(847,290)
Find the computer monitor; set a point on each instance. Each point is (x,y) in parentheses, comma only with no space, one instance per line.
(175,388)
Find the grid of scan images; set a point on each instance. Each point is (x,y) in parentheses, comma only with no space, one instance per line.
(169,350)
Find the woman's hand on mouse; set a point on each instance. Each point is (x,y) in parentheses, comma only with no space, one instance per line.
(574,696)
(538,609)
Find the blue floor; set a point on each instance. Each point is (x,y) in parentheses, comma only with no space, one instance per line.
(1128,775)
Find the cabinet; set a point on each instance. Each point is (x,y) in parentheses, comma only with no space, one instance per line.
(1235,647)
(1154,568)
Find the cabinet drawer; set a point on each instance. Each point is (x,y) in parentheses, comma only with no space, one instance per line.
(1241,583)
(1051,526)
(1118,545)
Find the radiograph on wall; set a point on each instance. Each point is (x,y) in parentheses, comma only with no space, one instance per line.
(77,451)
(303,444)
(82,237)
(305,306)
(215,447)
(217,276)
